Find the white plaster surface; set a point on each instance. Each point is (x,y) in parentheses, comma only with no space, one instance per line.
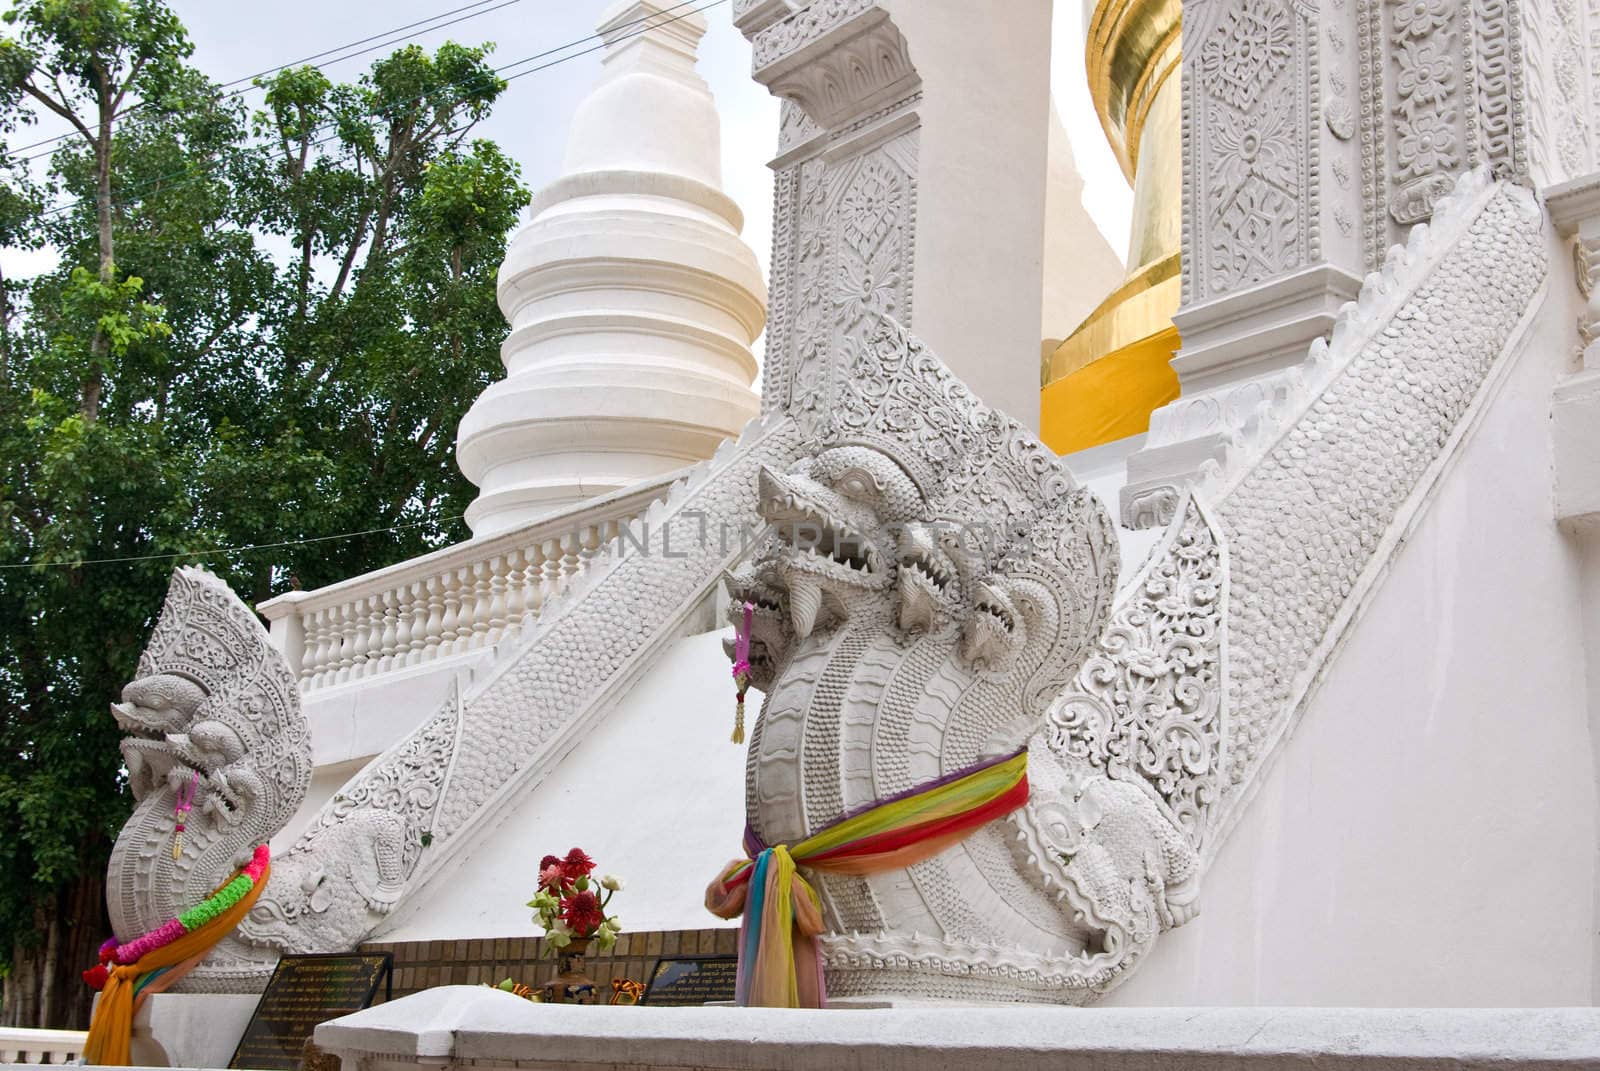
(363,718)
(1429,835)
(1575,431)
(455,1024)
(655,793)
(190,1029)
(981,192)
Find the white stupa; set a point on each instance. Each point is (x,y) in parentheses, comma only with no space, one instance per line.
(632,300)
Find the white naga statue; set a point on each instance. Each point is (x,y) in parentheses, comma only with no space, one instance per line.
(934,582)
(219,758)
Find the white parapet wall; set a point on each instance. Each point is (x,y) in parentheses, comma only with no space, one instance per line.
(22,1046)
(452,602)
(461,1026)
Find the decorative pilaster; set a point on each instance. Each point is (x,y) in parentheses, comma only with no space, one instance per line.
(1315,137)
(886,198)
(1575,405)
(845,191)
(1271,225)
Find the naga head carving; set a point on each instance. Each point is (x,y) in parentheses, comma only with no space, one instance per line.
(215,711)
(931,583)
(918,511)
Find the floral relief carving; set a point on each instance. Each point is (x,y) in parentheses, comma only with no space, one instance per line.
(1147,705)
(1250,161)
(1426,73)
(1255,188)
(1420,18)
(1427,143)
(1427,112)
(1247,53)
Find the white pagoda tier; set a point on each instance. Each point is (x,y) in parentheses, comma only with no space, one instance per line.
(632,301)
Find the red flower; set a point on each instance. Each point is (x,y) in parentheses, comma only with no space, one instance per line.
(549,861)
(95,977)
(578,864)
(581,912)
(552,876)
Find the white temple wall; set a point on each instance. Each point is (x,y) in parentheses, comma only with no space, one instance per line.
(981,191)
(1588,547)
(654,792)
(1429,833)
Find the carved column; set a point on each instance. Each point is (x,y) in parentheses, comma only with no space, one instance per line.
(1271,224)
(845,188)
(1315,136)
(879,186)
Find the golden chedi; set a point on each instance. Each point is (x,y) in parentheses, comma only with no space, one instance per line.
(1104,380)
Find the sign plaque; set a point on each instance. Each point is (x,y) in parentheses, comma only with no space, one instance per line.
(305,991)
(680,981)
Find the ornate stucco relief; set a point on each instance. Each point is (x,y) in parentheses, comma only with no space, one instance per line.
(397,823)
(896,643)
(1442,90)
(214,706)
(844,199)
(1406,366)
(843,231)
(1250,162)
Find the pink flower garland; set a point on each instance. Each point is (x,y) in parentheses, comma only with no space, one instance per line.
(191,920)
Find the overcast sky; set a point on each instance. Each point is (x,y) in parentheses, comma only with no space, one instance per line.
(234,39)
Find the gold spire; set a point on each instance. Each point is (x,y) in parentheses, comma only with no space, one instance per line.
(1132,56)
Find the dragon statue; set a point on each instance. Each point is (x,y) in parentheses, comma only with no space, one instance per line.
(214,720)
(936,589)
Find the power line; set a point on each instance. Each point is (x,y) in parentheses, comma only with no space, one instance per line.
(57,209)
(230,550)
(307,59)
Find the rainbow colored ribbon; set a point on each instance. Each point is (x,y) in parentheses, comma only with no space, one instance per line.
(778,964)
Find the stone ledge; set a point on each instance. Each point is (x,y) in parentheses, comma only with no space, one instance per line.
(486,1028)
(1575,442)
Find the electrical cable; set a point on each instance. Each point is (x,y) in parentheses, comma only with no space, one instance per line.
(150,183)
(228,550)
(306,59)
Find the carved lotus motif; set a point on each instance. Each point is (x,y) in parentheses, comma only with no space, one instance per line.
(1427,143)
(1426,73)
(1419,18)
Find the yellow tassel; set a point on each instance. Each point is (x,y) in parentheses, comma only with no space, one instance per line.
(738,722)
(177,847)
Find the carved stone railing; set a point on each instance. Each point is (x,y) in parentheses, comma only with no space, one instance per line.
(464,598)
(22,1046)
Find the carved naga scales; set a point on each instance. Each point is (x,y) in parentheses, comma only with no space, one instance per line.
(933,584)
(214,712)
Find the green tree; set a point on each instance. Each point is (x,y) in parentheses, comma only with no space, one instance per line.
(264,328)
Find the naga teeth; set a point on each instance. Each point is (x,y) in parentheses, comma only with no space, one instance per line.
(805,600)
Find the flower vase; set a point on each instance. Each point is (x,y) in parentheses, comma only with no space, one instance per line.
(571,985)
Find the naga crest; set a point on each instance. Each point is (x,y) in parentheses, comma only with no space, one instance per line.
(933,580)
(214,711)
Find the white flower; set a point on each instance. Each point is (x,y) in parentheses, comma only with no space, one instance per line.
(612,882)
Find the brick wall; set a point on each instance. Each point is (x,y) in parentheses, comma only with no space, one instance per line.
(424,964)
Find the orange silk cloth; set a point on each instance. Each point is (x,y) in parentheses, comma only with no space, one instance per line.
(111,1030)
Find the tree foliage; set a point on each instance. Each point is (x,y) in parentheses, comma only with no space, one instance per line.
(264,328)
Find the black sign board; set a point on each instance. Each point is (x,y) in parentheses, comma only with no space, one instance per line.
(690,980)
(305,991)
